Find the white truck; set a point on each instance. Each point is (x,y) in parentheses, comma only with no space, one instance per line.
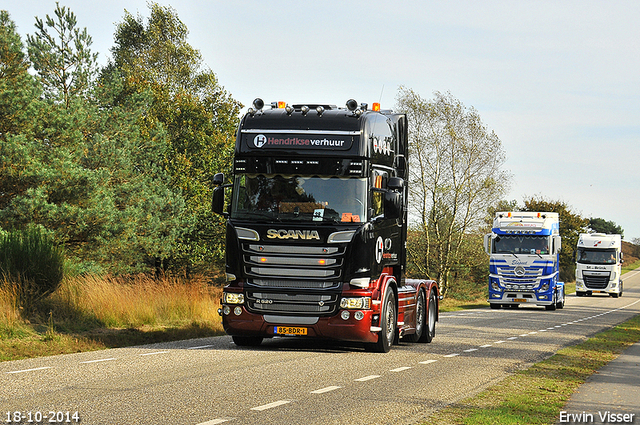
(524,262)
(599,264)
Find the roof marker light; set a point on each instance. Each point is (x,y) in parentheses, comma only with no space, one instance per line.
(320,110)
(304,110)
(376,106)
(282,105)
(289,109)
(352,104)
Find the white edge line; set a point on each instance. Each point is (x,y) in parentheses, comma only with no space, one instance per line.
(99,360)
(271,405)
(400,369)
(325,390)
(154,353)
(200,346)
(216,421)
(30,370)
(367,378)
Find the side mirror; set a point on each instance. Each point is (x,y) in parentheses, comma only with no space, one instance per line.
(392,205)
(487,243)
(558,243)
(217,203)
(218,179)
(395,183)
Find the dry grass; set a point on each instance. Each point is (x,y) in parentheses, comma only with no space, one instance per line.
(90,313)
(138,301)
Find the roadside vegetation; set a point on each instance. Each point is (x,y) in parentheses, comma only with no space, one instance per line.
(92,313)
(537,395)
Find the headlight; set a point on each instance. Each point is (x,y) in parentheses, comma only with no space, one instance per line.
(232,298)
(360,303)
(360,282)
(545,287)
(495,286)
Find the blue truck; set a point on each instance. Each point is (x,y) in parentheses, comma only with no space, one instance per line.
(523,249)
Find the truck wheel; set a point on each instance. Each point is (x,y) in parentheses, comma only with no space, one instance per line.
(621,288)
(560,304)
(388,323)
(552,306)
(432,313)
(247,341)
(420,319)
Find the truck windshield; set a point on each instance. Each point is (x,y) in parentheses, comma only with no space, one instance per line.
(521,244)
(296,198)
(596,256)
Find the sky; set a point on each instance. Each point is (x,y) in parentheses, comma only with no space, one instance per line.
(557,81)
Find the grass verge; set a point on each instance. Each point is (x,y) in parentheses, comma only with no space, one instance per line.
(537,395)
(90,313)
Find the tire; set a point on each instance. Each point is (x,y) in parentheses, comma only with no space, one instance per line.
(247,341)
(552,306)
(621,288)
(432,315)
(421,322)
(560,304)
(388,323)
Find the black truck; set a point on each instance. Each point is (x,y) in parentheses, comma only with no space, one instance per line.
(316,228)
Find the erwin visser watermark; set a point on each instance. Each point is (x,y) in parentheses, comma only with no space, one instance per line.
(605,417)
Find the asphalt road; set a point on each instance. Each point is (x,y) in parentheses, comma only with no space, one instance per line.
(294,381)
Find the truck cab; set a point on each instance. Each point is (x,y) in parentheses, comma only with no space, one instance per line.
(523,249)
(316,228)
(599,264)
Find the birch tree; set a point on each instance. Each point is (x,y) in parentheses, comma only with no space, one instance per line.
(456,173)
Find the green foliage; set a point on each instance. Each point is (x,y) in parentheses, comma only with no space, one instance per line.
(600,225)
(32,262)
(571,225)
(86,170)
(198,115)
(456,171)
(63,61)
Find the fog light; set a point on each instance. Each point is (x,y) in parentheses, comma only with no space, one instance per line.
(543,297)
(226,310)
(358,315)
(237,311)
(345,315)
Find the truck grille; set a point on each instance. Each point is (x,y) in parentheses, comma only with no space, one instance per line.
(520,275)
(596,280)
(290,279)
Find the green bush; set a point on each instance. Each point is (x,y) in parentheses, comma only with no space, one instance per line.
(32,262)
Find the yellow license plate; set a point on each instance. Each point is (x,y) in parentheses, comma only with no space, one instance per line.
(289,330)
(519,300)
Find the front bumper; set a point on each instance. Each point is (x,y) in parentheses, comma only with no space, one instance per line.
(613,287)
(332,327)
(519,297)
